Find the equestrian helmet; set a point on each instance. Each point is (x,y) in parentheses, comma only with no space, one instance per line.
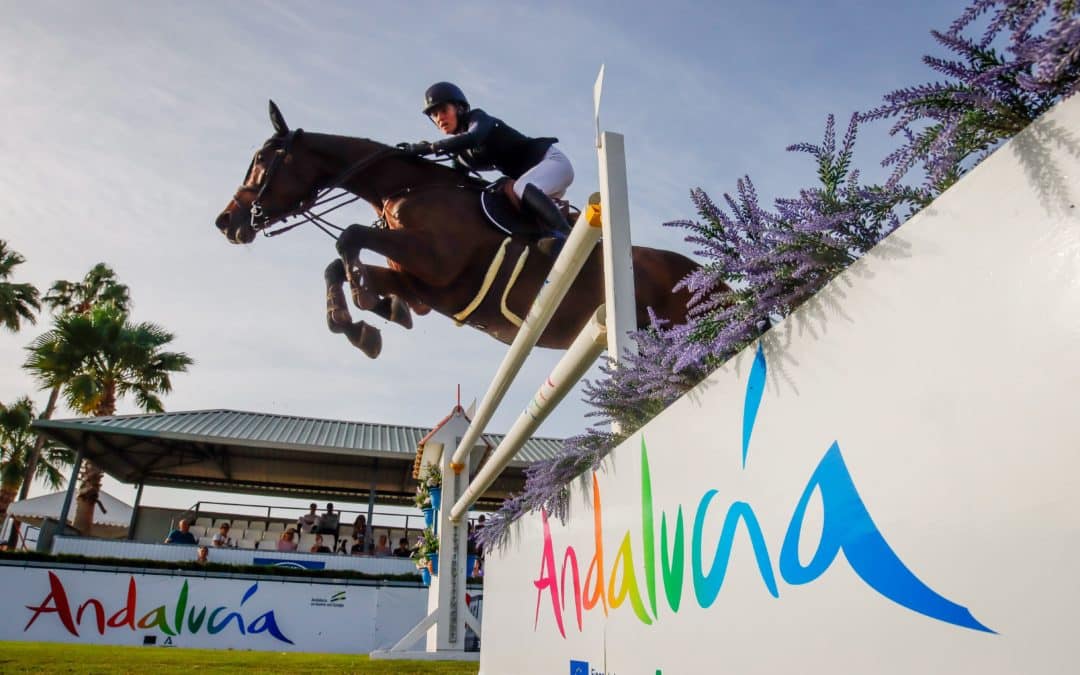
(443,92)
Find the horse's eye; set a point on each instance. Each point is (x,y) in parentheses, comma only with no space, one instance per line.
(258,158)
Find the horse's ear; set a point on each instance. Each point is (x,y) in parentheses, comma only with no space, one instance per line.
(278,120)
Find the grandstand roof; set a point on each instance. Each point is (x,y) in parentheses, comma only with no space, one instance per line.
(261,453)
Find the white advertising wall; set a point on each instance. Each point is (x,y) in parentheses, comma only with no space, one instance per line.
(88,607)
(891,484)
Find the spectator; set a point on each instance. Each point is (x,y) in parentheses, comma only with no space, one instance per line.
(203,556)
(319,546)
(309,522)
(221,539)
(359,528)
(402,550)
(287,540)
(383,547)
(357,546)
(359,542)
(181,535)
(328,522)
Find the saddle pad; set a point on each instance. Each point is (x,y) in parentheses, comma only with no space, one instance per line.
(502,214)
(509,220)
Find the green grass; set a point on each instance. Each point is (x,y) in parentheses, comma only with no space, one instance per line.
(53,657)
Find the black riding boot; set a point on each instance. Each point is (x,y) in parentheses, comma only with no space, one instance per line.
(535,201)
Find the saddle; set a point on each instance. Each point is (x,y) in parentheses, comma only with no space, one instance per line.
(507,219)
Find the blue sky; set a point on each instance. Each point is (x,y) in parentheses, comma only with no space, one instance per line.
(128,125)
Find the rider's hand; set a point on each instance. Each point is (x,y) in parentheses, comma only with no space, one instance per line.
(420,149)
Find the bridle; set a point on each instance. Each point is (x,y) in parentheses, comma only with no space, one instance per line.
(261,220)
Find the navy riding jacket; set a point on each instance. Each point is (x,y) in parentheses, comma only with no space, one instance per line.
(489,143)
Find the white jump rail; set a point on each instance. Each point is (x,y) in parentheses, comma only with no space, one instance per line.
(579,245)
(571,368)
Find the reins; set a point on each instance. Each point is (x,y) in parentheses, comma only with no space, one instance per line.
(323,196)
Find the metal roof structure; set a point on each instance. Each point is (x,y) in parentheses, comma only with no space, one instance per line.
(262,453)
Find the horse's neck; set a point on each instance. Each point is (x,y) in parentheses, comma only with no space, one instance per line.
(382,177)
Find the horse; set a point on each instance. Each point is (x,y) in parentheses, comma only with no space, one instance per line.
(442,251)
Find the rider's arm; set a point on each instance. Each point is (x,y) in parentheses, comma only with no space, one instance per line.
(480,125)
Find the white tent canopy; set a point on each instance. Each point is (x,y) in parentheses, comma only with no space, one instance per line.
(111,523)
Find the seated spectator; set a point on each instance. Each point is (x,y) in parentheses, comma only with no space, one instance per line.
(359,527)
(319,546)
(402,550)
(203,556)
(359,543)
(309,522)
(181,535)
(357,546)
(328,522)
(383,547)
(287,540)
(221,539)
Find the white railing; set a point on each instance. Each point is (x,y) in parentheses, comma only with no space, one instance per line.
(109,548)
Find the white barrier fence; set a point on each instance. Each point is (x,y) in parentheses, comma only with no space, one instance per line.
(109,548)
(52,604)
(916,417)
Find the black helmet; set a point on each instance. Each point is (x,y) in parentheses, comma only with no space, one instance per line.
(443,92)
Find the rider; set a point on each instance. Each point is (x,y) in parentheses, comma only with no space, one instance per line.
(480,142)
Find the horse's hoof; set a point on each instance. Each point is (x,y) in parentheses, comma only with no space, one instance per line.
(365,338)
(399,312)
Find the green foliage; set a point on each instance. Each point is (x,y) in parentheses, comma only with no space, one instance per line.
(18,302)
(101,356)
(17,443)
(431,475)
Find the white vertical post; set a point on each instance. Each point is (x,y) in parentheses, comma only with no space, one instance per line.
(446,596)
(618,255)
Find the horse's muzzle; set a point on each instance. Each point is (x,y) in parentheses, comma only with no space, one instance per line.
(236,228)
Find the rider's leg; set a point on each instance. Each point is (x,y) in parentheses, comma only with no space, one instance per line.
(535,187)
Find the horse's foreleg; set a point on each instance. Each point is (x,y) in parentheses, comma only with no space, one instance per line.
(337,309)
(366,338)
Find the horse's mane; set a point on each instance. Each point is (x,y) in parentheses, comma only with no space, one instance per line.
(429,165)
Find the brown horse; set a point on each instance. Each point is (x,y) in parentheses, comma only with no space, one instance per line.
(440,246)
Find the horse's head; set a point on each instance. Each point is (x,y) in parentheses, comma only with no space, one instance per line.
(282,180)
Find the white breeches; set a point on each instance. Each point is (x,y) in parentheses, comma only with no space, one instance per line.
(552,175)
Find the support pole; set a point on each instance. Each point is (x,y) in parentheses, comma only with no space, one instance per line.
(135,513)
(72,483)
(578,246)
(618,253)
(370,511)
(571,368)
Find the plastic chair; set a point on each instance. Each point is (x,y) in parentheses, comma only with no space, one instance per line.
(257,525)
(249,544)
(204,522)
(275,527)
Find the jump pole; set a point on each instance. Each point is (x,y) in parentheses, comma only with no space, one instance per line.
(571,259)
(572,367)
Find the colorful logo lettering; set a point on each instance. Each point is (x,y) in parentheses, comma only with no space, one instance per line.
(847,527)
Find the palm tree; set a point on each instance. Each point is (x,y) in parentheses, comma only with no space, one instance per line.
(16,444)
(18,302)
(96,358)
(98,287)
